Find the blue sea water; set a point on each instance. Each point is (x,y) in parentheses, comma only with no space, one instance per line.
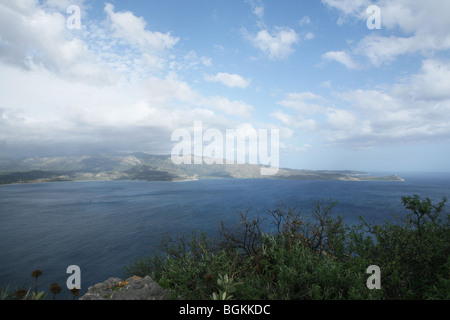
(103,226)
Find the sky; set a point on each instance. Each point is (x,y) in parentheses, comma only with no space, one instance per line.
(343,92)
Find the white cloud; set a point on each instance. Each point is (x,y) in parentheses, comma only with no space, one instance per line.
(416,27)
(191,61)
(341,57)
(173,93)
(340,119)
(207,61)
(34,36)
(372,101)
(285,118)
(29,33)
(414,110)
(278,44)
(433,81)
(163,92)
(96,87)
(379,49)
(127,116)
(231,107)
(310,36)
(304,21)
(132,29)
(298,122)
(259,11)
(348,7)
(230,80)
(62,5)
(301,102)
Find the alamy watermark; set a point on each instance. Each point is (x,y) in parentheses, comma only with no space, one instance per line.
(74,280)
(374,20)
(235,146)
(74,20)
(374,281)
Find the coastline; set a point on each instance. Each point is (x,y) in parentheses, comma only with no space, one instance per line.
(146,167)
(393,178)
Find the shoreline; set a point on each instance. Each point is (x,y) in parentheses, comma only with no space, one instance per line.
(343,179)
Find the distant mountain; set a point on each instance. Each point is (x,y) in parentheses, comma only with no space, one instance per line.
(143,166)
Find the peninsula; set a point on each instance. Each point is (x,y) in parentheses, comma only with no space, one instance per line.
(148,167)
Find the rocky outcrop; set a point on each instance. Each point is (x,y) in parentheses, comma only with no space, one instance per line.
(134,288)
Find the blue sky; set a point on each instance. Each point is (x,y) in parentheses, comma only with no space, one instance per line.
(342,96)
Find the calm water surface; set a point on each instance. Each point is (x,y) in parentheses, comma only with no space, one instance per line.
(104,226)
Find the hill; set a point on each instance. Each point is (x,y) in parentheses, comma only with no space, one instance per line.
(147,167)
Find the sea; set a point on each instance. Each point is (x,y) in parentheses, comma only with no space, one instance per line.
(104,226)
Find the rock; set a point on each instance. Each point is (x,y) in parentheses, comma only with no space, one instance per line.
(134,288)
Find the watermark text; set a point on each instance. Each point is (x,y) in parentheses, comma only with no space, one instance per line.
(374,20)
(236,146)
(74,20)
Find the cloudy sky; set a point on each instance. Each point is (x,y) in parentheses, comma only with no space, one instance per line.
(126,74)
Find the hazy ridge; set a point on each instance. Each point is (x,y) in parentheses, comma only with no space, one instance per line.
(148,167)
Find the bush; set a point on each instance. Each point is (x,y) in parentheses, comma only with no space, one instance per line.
(413,253)
(308,256)
(287,269)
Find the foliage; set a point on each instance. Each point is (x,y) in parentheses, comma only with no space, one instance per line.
(27,294)
(413,253)
(309,256)
(21,294)
(4,293)
(227,287)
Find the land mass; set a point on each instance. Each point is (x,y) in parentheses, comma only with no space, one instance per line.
(148,167)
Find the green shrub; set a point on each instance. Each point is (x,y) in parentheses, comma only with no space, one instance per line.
(287,269)
(309,256)
(413,252)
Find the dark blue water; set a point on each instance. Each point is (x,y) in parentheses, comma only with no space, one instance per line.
(104,226)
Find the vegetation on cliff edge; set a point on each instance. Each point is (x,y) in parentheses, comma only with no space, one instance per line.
(308,256)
